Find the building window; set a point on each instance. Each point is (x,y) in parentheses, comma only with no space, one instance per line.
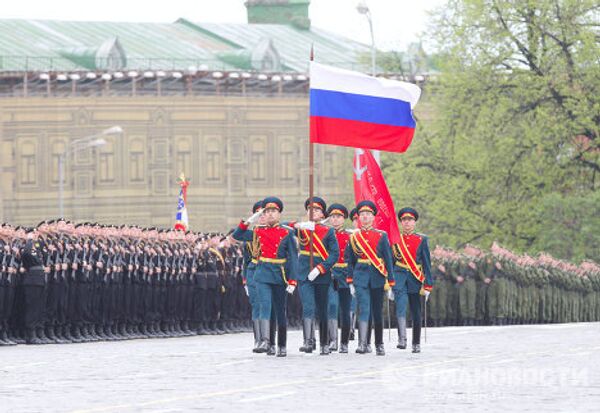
(288,163)
(58,149)
(136,161)
(183,157)
(213,162)
(258,150)
(106,163)
(28,164)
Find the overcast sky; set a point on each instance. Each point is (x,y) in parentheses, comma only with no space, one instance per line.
(396,22)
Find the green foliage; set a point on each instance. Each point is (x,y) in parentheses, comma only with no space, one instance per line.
(513,138)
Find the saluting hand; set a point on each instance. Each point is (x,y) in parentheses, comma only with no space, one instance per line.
(254,217)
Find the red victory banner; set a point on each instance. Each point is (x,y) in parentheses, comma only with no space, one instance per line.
(369,184)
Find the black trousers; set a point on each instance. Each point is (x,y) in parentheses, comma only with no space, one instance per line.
(34,306)
(279,314)
(321,304)
(414,303)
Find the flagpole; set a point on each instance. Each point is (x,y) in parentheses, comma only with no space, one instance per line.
(311,179)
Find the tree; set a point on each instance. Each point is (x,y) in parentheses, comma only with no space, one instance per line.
(516,120)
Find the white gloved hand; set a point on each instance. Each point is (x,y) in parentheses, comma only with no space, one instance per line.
(313,274)
(352,290)
(390,294)
(426,293)
(254,217)
(290,289)
(246,289)
(305,225)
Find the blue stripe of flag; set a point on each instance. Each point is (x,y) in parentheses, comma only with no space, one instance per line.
(371,109)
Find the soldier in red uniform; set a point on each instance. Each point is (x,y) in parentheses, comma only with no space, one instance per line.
(370,266)
(337,214)
(413,264)
(275,271)
(314,280)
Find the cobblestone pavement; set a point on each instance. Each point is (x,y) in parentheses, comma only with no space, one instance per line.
(526,368)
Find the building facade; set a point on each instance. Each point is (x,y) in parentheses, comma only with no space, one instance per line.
(227,104)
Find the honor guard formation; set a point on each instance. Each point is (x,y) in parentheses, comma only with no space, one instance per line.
(70,283)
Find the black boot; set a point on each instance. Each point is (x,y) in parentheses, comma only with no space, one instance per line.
(52,337)
(123,331)
(108,333)
(332,329)
(264,336)
(401,333)
(83,334)
(281,340)
(31,337)
(219,327)
(324,338)
(202,329)
(18,337)
(307,326)
(42,336)
(416,348)
(369,331)
(363,326)
(99,332)
(256,330)
(344,339)
(90,332)
(379,350)
(76,334)
(352,325)
(63,333)
(5,340)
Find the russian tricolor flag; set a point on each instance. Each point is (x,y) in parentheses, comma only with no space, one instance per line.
(181,219)
(353,109)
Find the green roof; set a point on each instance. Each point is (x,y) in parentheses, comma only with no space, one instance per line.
(50,45)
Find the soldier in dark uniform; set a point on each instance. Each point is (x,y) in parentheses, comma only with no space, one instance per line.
(33,287)
(8,283)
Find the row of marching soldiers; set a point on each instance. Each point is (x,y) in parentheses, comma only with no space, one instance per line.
(326,262)
(62,283)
